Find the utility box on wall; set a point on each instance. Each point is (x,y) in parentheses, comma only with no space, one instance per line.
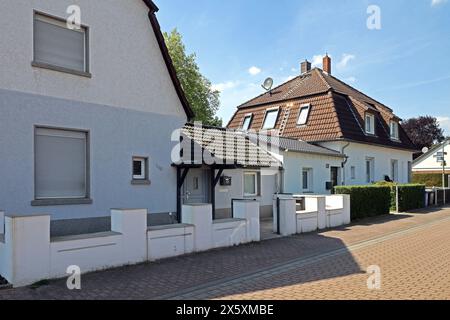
(225,181)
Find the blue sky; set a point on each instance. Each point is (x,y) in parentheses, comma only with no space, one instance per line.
(405,64)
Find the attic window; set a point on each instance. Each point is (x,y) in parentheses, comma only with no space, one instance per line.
(394,130)
(247,122)
(271,118)
(303,115)
(370,123)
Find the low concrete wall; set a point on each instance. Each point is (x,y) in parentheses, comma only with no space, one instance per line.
(170,241)
(229,232)
(89,252)
(320,212)
(28,254)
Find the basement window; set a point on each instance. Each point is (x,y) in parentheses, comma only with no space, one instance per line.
(303,115)
(140,170)
(271,118)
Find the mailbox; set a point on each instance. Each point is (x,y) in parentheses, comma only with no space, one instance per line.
(329,185)
(225,181)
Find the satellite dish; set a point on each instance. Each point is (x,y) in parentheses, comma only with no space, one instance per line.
(268,83)
(425,150)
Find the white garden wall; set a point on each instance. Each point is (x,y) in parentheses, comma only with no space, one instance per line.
(320,212)
(28,254)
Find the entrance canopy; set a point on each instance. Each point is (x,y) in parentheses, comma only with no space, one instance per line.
(217,149)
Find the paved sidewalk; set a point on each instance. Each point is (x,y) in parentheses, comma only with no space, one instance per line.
(413,251)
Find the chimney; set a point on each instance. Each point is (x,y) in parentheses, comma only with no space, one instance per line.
(327,64)
(305,67)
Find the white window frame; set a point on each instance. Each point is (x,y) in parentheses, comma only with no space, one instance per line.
(394,130)
(306,107)
(370,129)
(309,177)
(394,170)
(353,173)
(68,132)
(409,168)
(144,168)
(255,175)
(62,23)
(370,176)
(250,117)
(268,111)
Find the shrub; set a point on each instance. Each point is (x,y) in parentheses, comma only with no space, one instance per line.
(410,196)
(430,179)
(367,201)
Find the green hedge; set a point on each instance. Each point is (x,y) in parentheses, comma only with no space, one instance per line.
(429,179)
(367,201)
(410,196)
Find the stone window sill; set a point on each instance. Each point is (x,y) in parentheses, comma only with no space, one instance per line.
(42,65)
(141,182)
(60,202)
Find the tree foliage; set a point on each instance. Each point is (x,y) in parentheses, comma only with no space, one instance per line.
(198,89)
(424,131)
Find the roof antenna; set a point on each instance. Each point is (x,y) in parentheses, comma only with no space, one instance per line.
(267,85)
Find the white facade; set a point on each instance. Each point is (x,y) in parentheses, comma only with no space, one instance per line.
(383,159)
(125,106)
(127,67)
(429,163)
(317,166)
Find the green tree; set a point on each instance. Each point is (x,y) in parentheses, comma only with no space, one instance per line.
(198,89)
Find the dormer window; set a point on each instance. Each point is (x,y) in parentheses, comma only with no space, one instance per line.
(394,130)
(370,123)
(303,115)
(270,119)
(247,122)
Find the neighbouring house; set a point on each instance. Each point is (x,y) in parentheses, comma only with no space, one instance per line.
(312,163)
(86,114)
(319,109)
(429,167)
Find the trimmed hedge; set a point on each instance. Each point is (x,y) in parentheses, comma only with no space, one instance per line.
(367,201)
(430,179)
(410,196)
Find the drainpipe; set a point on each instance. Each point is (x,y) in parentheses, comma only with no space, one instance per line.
(281,181)
(344,162)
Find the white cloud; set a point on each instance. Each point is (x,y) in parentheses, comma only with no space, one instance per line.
(254,71)
(444,122)
(224,86)
(435,3)
(317,61)
(350,80)
(294,69)
(346,58)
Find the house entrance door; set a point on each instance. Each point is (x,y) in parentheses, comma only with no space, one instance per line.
(334,176)
(196,187)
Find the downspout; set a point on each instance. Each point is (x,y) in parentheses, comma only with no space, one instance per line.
(281,181)
(344,162)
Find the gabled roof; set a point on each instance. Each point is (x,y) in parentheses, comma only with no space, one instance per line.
(226,146)
(337,112)
(167,59)
(293,145)
(432,150)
